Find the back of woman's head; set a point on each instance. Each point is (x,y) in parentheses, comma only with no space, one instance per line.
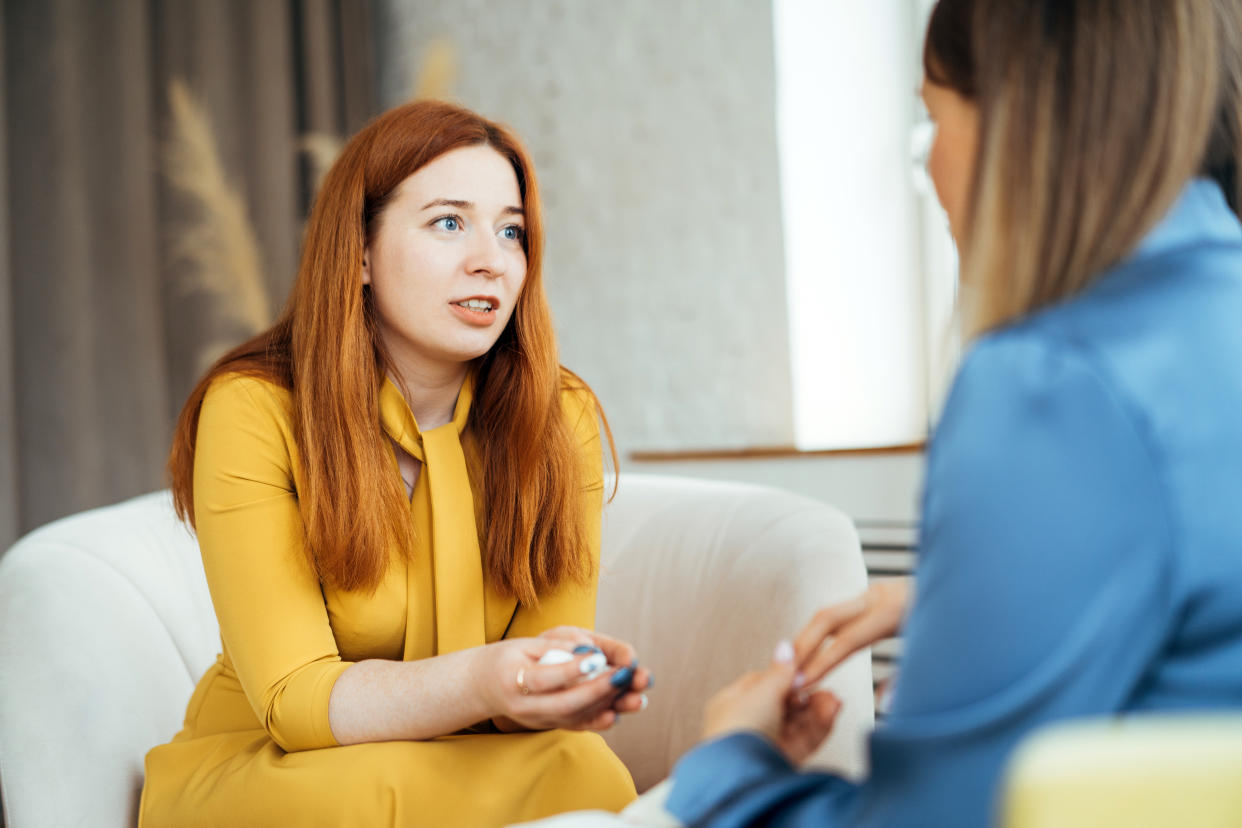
(327,349)
(1092,115)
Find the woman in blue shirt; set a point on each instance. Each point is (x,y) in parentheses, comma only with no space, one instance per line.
(1081,548)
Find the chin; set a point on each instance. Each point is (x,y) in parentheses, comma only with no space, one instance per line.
(471,352)
(454,347)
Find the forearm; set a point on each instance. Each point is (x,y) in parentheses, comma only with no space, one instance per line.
(378,700)
(743,779)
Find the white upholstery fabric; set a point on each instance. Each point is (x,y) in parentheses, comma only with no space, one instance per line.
(704,578)
(106,624)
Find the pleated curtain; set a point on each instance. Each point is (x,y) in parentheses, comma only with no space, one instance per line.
(124,267)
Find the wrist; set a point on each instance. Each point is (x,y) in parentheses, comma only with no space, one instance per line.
(504,724)
(484,684)
(726,731)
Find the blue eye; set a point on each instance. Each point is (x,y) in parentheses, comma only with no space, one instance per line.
(511,232)
(449,223)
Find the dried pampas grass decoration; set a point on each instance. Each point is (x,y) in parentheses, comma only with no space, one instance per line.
(216,251)
(321,150)
(436,74)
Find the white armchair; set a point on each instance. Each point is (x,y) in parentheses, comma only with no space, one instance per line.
(106,624)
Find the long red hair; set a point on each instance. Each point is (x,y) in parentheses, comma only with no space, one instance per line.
(327,350)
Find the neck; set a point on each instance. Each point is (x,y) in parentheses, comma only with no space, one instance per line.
(431,394)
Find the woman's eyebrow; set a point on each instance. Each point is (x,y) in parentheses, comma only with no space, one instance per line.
(468,205)
(448,202)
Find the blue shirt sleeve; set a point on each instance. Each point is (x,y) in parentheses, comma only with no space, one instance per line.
(1044,592)
(743,779)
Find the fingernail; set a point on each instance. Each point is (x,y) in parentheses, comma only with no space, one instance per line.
(799,679)
(555,657)
(622,678)
(593,662)
(643,704)
(784,652)
(586,648)
(650,681)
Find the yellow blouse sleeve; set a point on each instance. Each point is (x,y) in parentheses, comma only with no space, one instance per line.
(574,603)
(273,621)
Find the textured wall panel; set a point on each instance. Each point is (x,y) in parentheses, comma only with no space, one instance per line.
(652,126)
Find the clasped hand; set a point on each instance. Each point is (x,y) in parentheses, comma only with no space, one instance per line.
(557,695)
(778,703)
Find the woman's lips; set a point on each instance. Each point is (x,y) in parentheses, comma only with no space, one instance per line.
(478,315)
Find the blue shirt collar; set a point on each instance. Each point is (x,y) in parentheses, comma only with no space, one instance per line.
(1200,214)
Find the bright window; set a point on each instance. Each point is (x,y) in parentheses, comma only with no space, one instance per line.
(869,263)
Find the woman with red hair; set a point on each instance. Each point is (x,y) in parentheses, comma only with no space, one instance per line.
(397,492)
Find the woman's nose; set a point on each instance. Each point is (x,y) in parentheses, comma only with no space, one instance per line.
(486,257)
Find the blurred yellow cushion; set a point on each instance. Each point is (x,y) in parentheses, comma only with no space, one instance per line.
(1152,770)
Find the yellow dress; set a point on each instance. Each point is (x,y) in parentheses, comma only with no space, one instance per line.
(256,748)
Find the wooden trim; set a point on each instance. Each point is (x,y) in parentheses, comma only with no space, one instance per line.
(767,452)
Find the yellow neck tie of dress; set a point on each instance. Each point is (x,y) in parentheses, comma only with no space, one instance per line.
(456,560)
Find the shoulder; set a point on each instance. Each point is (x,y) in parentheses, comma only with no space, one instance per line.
(1037,425)
(577,398)
(1043,455)
(255,404)
(245,434)
(1028,393)
(240,392)
(1022,366)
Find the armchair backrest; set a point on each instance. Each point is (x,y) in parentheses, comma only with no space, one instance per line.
(704,578)
(106,625)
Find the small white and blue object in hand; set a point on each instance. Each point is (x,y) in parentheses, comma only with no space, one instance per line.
(593,665)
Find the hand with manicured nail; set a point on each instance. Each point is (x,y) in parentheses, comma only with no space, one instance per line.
(628,680)
(540,684)
(762,702)
(837,632)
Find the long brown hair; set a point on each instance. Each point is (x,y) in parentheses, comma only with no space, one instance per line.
(327,350)
(1093,115)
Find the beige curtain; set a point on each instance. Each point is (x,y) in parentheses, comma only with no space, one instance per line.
(113,290)
(8,403)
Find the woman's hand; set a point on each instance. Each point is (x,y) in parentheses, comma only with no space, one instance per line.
(525,694)
(837,632)
(619,653)
(765,702)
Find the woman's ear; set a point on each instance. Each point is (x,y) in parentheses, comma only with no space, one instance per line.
(366,266)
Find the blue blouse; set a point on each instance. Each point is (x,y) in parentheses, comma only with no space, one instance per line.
(1081,548)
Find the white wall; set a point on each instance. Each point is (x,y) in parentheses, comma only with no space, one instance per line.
(871,489)
(653,129)
(652,126)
